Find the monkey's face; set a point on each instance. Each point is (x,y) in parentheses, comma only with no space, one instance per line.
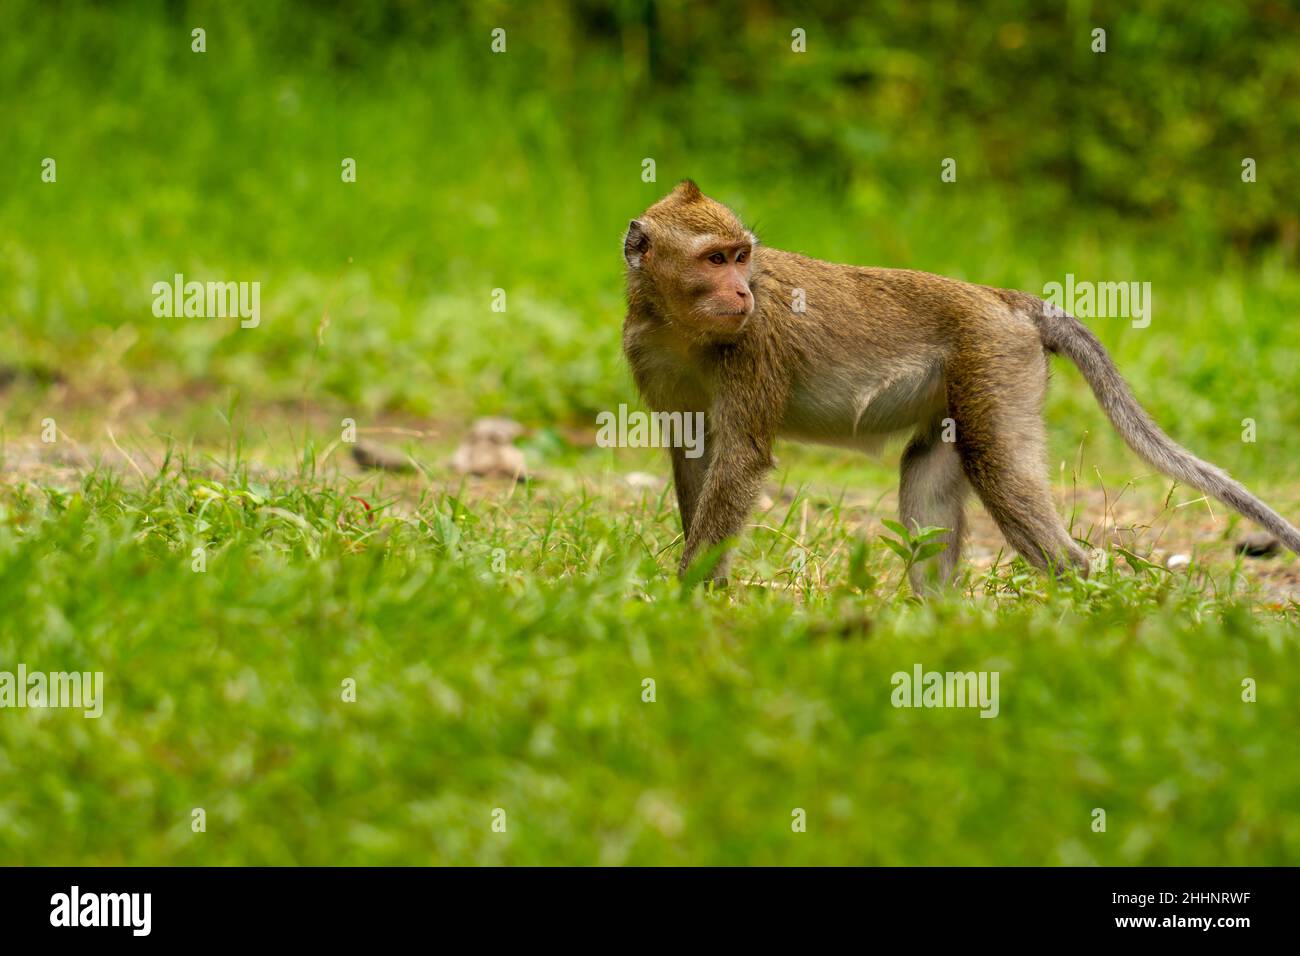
(694,257)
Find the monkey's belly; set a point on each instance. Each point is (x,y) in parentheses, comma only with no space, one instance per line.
(839,410)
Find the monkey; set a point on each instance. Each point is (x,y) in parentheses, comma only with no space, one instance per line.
(770,344)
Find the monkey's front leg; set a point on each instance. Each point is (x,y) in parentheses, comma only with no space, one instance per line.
(688,481)
(731,486)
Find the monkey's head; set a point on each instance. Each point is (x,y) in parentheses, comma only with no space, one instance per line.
(691,258)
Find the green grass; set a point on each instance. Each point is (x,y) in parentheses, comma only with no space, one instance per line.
(512,679)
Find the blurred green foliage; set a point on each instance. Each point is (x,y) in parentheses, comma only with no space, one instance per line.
(519,170)
(1155,126)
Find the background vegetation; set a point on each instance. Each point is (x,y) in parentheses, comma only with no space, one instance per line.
(521,688)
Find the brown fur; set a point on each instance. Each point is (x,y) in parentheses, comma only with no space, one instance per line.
(876,351)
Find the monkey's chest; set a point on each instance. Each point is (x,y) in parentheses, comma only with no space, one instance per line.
(670,382)
(860,408)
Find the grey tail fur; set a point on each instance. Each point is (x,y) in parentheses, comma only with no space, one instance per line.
(1065,335)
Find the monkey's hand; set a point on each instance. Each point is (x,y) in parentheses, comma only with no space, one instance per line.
(709,569)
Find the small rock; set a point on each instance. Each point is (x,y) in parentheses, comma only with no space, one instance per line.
(488,452)
(496,431)
(1177,561)
(380,457)
(1258,544)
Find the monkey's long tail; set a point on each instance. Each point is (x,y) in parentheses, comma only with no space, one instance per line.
(1064,334)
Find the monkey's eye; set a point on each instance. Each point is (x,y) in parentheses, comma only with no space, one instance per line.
(718,259)
(742,255)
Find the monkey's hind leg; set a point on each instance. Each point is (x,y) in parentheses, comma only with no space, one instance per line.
(1001,441)
(932,493)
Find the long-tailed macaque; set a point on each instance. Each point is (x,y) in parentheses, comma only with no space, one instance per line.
(769,343)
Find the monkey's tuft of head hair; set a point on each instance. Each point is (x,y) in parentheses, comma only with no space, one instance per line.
(687,191)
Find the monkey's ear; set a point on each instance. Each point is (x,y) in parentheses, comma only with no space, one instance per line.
(688,190)
(635,244)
